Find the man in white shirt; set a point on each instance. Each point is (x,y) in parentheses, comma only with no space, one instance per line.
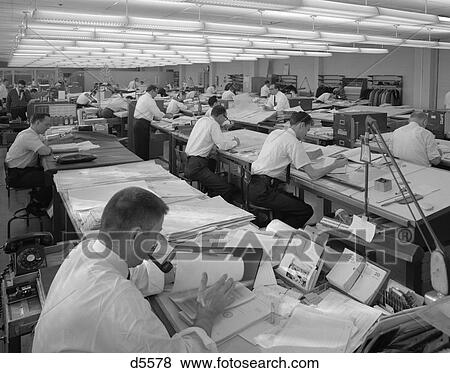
(282,148)
(86,98)
(133,85)
(96,301)
(277,100)
(204,136)
(146,110)
(3,91)
(191,95)
(228,93)
(211,90)
(176,105)
(265,91)
(414,143)
(22,160)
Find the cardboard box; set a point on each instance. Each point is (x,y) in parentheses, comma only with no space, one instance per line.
(348,127)
(439,123)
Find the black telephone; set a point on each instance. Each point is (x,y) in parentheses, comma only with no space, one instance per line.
(27,251)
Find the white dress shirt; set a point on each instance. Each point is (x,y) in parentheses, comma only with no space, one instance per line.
(205,134)
(175,107)
(281,101)
(210,90)
(84,98)
(133,85)
(3,92)
(146,108)
(265,91)
(447,101)
(228,95)
(92,307)
(280,149)
(415,144)
(208,112)
(24,150)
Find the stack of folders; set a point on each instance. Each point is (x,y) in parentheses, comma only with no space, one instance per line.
(245,310)
(357,277)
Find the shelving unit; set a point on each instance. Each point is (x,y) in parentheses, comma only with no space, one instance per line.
(284,80)
(331,80)
(237,80)
(355,87)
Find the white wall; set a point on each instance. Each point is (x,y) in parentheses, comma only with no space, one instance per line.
(443,81)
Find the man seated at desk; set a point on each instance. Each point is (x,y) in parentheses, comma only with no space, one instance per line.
(277,100)
(22,160)
(146,110)
(85,99)
(282,148)
(414,143)
(211,90)
(116,103)
(204,136)
(265,90)
(176,105)
(229,92)
(96,301)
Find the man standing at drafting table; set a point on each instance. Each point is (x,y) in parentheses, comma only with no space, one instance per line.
(146,110)
(96,301)
(204,136)
(282,148)
(414,143)
(277,99)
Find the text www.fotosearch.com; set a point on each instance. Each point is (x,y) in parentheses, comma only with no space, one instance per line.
(223,363)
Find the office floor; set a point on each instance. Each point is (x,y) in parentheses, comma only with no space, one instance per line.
(17,200)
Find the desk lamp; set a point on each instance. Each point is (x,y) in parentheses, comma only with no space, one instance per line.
(439,261)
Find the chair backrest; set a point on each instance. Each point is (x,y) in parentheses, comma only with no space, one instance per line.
(5,167)
(181,160)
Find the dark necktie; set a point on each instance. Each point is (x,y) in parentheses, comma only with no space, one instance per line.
(129,275)
(274,100)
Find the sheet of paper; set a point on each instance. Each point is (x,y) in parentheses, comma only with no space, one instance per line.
(278,297)
(64,148)
(189,272)
(346,271)
(362,228)
(98,196)
(265,275)
(438,315)
(310,330)
(87,145)
(354,155)
(362,316)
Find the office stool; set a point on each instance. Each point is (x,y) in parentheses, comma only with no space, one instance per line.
(252,207)
(24,214)
(180,164)
(8,186)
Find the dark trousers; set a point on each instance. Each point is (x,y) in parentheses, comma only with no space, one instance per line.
(141,131)
(19,112)
(32,177)
(202,170)
(106,113)
(266,192)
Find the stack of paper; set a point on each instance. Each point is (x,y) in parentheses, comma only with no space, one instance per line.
(310,330)
(187,219)
(81,178)
(73,147)
(250,113)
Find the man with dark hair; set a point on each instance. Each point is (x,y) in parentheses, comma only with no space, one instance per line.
(204,136)
(22,160)
(212,101)
(277,99)
(146,110)
(96,301)
(17,101)
(282,148)
(414,143)
(3,92)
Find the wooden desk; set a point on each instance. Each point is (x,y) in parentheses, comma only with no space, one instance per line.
(111,152)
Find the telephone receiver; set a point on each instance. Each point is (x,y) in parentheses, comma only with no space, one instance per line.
(40,238)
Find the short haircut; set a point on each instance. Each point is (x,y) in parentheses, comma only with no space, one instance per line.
(228,86)
(267,82)
(152,87)
(300,117)
(33,90)
(129,97)
(39,117)
(418,117)
(21,81)
(132,207)
(277,86)
(212,100)
(218,110)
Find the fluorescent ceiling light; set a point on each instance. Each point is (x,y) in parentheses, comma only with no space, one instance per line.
(318,54)
(245,59)
(231,28)
(283,32)
(337,9)
(276,56)
(401,17)
(343,38)
(374,50)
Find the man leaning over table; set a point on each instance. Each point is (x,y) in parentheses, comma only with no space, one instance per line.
(414,143)
(146,110)
(96,301)
(282,148)
(205,135)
